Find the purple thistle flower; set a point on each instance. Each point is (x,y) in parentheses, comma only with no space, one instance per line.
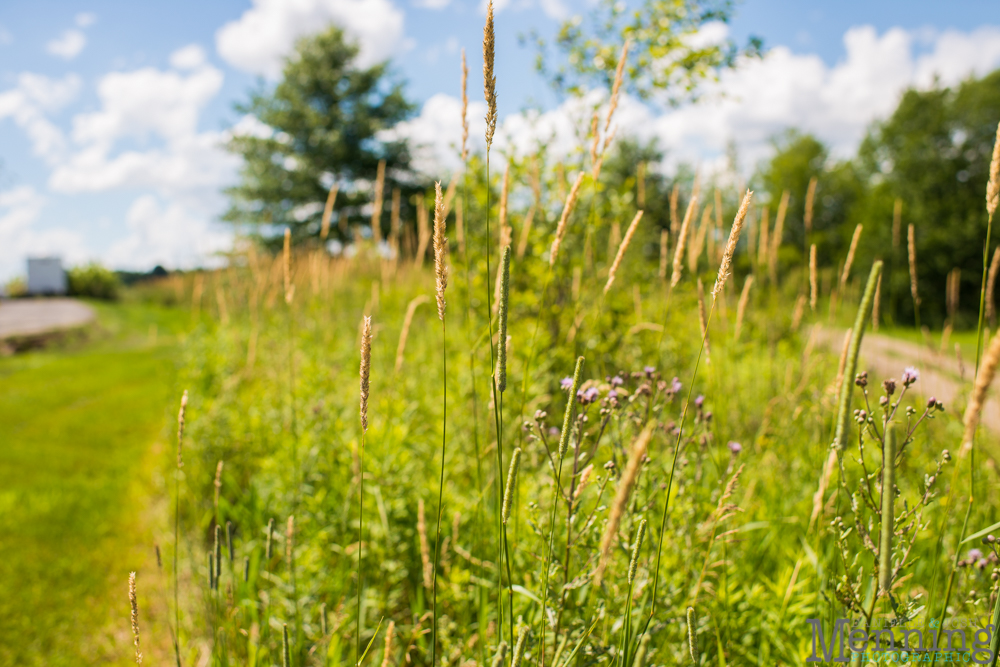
(910,375)
(975,554)
(735,447)
(587,396)
(617,381)
(649,370)
(566,383)
(675,386)
(700,401)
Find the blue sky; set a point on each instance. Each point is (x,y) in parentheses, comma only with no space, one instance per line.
(111,112)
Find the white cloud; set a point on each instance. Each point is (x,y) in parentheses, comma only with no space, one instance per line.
(169,234)
(431,4)
(68,45)
(85,19)
(5,36)
(748,105)
(147,101)
(264,35)
(160,111)
(189,57)
(28,104)
(554,9)
(20,209)
(436,134)
(144,136)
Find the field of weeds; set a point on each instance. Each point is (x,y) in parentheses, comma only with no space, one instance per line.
(531,427)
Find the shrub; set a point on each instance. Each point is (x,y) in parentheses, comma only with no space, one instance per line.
(93,281)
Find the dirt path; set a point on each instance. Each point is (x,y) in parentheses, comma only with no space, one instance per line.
(941,376)
(33,317)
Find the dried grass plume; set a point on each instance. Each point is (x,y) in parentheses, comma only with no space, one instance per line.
(567,211)
(625,486)
(993,185)
(366,365)
(682,235)
(133,601)
(440,251)
(621,250)
(489,77)
(734,237)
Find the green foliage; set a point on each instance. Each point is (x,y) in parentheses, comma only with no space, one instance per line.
(932,154)
(666,59)
(93,281)
(325,114)
(16,286)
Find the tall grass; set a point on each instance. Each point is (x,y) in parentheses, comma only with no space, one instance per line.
(716,462)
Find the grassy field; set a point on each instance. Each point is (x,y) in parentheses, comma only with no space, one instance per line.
(81,426)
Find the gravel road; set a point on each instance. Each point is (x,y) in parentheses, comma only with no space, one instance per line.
(34,317)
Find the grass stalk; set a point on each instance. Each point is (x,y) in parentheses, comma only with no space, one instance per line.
(177,525)
(441,275)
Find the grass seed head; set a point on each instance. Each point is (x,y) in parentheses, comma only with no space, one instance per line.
(692,644)
(440,251)
(812,277)
(621,250)
(633,565)
(564,219)
(366,365)
(180,429)
(984,379)
(629,477)
(287,266)
(389,631)
(489,77)
(508,494)
(682,235)
(810,202)
(501,654)
(331,199)
(850,256)
(570,403)
(993,185)
(911,247)
(503,310)
(522,638)
(465,109)
(286,654)
(734,237)
(133,601)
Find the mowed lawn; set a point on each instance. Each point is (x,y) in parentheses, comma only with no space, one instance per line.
(82,432)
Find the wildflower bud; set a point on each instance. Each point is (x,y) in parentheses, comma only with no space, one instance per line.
(883,401)
(861,379)
(889,386)
(946,455)
(990,539)
(931,403)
